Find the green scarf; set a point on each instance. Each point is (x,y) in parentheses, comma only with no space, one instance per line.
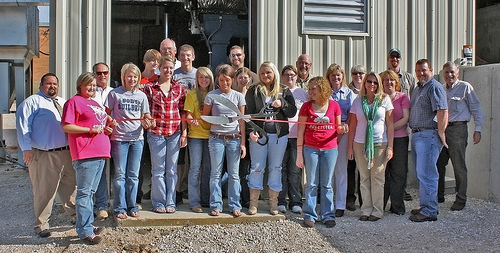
(370,116)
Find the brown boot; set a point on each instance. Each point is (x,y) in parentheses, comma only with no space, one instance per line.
(273,202)
(254,201)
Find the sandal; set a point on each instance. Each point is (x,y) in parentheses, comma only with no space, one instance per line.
(159,210)
(121,216)
(236,213)
(214,212)
(170,210)
(197,209)
(134,214)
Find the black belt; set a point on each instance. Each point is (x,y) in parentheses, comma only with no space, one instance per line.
(416,130)
(226,136)
(456,123)
(58,149)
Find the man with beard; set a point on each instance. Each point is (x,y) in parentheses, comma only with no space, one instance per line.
(304,65)
(237,60)
(406,79)
(46,152)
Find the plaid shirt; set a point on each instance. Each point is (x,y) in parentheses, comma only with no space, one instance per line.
(166,108)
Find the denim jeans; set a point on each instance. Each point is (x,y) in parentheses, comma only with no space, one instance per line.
(127,162)
(395,175)
(425,148)
(88,173)
(456,138)
(232,151)
(340,174)
(291,177)
(319,166)
(164,155)
(102,192)
(268,156)
(199,171)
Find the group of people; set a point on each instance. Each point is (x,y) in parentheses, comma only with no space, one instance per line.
(319,124)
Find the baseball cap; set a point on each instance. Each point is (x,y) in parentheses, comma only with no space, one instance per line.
(394,50)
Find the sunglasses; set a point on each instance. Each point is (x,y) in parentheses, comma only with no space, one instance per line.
(370,81)
(236,55)
(101,73)
(357,73)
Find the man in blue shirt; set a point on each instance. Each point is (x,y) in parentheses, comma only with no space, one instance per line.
(46,152)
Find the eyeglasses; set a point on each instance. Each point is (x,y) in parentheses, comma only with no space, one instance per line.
(101,73)
(290,75)
(370,81)
(357,73)
(236,55)
(395,56)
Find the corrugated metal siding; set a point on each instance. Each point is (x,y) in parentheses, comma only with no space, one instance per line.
(81,32)
(433,29)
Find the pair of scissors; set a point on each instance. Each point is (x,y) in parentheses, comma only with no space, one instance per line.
(246,117)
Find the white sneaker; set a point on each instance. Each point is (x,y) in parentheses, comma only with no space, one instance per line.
(297,209)
(282,208)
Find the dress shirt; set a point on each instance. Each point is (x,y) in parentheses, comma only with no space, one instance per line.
(101,95)
(426,99)
(344,96)
(462,103)
(38,123)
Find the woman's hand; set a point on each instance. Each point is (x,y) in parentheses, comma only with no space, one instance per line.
(254,136)
(350,154)
(194,122)
(389,153)
(243,151)
(108,130)
(183,141)
(299,161)
(276,103)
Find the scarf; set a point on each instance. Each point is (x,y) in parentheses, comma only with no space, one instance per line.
(370,116)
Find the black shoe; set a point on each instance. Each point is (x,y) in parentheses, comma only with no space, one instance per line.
(421,218)
(407,197)
(397,212)
(339,213)
(350,207)
(373,218)
(364,218)
(93,239)
(330,223)
(44,233)
(457,206)
(147,195)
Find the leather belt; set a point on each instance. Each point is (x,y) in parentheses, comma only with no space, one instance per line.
(57,149)
(416,130)
(456,123)
(226,136)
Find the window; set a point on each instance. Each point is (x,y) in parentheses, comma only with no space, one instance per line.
(334,17)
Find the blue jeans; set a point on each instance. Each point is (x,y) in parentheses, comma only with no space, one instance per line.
(199,171)
(319,166)
(127,162)
(425,148)
(164,155)
(291,177)
(268,156)
(102,192)
(231,149)
(88,173)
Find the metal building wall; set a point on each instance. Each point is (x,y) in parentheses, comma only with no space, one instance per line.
(80,37)
(433,29)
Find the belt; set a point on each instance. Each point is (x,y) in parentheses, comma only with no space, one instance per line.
(456,123)
(416,130)
(226,136)
(57,149)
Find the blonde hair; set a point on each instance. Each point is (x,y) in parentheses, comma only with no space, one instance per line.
(151,54)
(203,71)
(166,58)
(379,93)
(84,79)
(134,69)
(335,68)
(276,87)
(324,89)
(393,75)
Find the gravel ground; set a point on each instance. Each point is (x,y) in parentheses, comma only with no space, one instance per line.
(474,229)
